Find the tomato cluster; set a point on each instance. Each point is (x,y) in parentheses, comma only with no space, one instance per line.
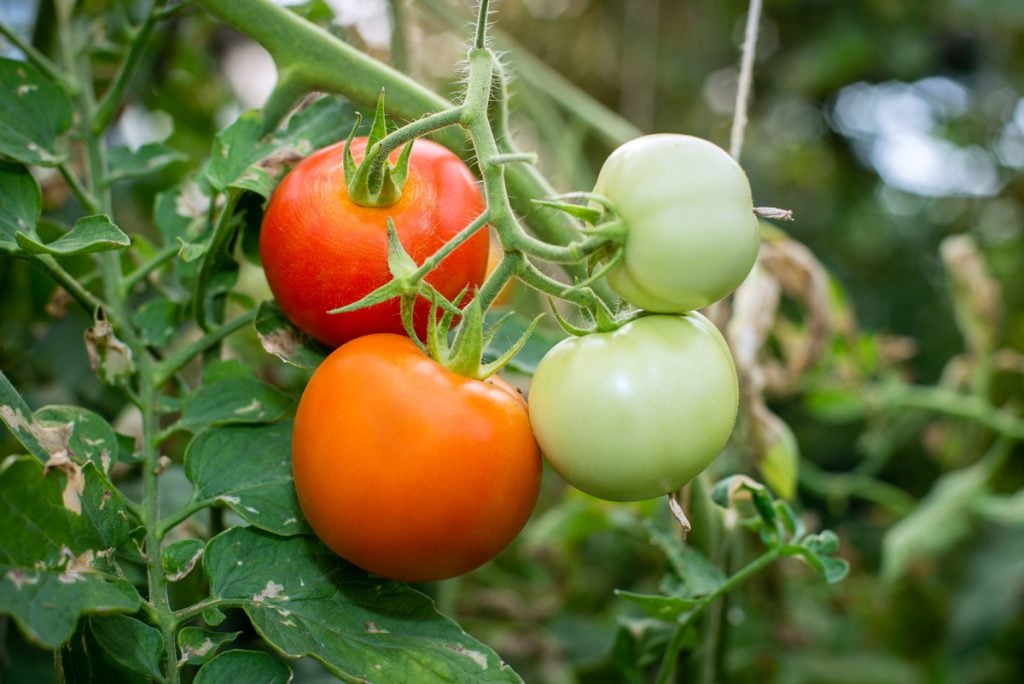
(640,411)
(418,473)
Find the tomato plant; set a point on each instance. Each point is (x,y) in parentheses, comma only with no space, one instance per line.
(637,412)
(691,232)
(407,469)
(322,250)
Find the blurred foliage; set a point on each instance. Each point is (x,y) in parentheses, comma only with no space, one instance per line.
(840,89)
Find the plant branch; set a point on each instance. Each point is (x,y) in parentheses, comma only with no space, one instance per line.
(165,254)
(111,100)
(953,404)
(175,362)
(83,194)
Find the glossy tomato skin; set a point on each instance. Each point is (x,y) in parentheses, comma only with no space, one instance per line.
(407,469)
(692,234)
(638,412)
(320,250)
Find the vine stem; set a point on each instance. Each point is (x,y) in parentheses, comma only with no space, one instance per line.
(172,364)
(676,641)
(739,120)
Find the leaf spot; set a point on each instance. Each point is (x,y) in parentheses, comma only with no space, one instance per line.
(76,480)
(271,591)
(76,567)
(373,628)
(476,656)
(255,406)
(19,578)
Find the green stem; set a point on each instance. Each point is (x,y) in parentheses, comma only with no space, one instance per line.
(111,100)
(186,614)
(139,274)
(84,196)
(510,266)
(184,513)
(38,59)
(84,297)
(540,281)
(668,663)
(175,362)
(151,507)
(323,62)
(533,72)
(954,404)
(430,123)
(845,485)
(289,89)
(481,24)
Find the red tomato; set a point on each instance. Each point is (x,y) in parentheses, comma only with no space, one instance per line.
(320,250)
(408,469)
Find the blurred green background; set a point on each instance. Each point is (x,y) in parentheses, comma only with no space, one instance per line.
(887,126)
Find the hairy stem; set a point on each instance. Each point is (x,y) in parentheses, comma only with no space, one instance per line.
(175,362)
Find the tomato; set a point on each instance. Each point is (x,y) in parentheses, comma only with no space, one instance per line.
(408,469)
(691,230)
(321,251)
(637,412)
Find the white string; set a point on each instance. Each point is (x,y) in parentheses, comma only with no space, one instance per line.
(739,120)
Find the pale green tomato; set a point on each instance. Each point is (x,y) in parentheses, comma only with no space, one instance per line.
(691,231)
(638,412)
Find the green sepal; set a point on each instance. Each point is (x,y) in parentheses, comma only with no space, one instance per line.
(401,265)
(565,325)
(348,160)
(579,211)
(374,182)
(468,347)
(489,369)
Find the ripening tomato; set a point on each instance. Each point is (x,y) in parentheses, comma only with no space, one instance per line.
(321,250)
(637,412)
(408,469)
(692,234)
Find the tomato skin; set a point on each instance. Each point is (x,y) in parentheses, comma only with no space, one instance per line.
(637,412)
(692,234)
(320,250)
(407,469)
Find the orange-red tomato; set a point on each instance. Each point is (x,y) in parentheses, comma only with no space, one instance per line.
(408,469)
(320,250)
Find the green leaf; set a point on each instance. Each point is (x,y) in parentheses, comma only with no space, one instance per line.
(48,580)
(133,643)
(668,608)
(85,435)
(182,212)
(33,112)
(179,558)
(40,441)
(279,337)
(235,400)
(199,646)
(20,205)
(157,321)
(236,666)
(306,602)
(939,521)
(835,404)
(250,470)
(698,575)
(89,234)
(819,551)
(127,163)
(235,149)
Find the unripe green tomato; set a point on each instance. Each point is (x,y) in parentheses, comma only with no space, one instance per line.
(637,412)
(691,231)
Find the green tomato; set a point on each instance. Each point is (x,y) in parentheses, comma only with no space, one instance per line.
(637,412)
(691,230)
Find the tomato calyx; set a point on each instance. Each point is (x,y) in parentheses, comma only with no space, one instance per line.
(464,354)
(374,182)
